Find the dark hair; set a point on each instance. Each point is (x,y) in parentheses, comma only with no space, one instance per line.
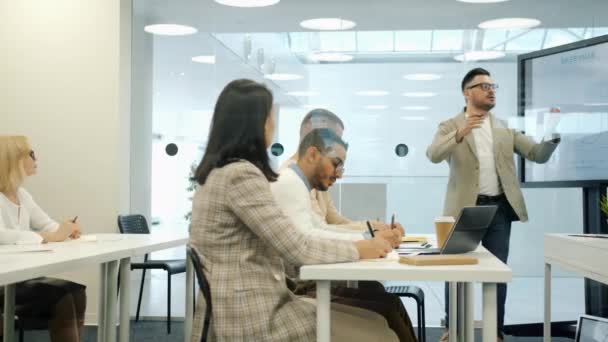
(471,75)
(237,129)
(323,139)
(320,113)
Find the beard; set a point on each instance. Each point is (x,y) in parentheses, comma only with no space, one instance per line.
(317,180)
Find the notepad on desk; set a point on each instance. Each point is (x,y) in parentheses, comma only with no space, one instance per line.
(414,238)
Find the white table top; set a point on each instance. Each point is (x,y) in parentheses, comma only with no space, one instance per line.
(490,269)
(592,242)
(19,265)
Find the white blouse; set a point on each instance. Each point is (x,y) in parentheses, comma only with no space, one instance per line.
(20,223)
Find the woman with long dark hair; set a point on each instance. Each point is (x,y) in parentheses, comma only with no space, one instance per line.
(243,238)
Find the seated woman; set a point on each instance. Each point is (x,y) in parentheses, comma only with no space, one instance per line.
(43,302)
(243,237)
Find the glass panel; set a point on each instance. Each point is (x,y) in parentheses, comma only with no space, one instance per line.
(529,41)
(413,40)
(492,39)
(337,41)
(447,40)
(375,41)
(557,37)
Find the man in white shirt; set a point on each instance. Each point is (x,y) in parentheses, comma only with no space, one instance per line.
(479,150)
(321,155)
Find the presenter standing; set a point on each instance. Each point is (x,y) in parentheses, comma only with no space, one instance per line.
(479,148)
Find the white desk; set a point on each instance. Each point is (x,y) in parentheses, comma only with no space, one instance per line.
(585,256)
(489,271)
(113,254)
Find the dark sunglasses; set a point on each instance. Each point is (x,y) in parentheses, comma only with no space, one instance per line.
(32,155)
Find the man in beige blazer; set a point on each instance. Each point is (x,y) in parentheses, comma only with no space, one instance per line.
(479,148)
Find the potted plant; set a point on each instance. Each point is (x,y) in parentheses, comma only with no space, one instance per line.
(604,206)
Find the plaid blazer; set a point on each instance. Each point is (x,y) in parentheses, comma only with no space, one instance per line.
(242,238)
(463,183)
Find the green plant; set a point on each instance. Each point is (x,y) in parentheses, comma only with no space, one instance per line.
(191,187)
(604,205)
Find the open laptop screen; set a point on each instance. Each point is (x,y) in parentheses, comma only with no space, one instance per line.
(592,329)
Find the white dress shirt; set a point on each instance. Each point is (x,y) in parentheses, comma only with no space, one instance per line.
(293,197)
(489,183)
(19,223)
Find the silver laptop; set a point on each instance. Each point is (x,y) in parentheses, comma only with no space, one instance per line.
(468,231)
(592,329)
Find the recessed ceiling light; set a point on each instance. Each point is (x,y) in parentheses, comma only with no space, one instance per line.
(413,118)
(419,94)
(482,1)
(248,3)
(204,59)
(331,57)
(283,77)
(415,107)
(376,107)
(422,77)
(328,24)
(472,56)
(510,23)
(372,93)
(303,93)
(170,29)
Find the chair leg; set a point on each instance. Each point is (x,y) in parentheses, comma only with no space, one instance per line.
(168,303)
(423,339)
(141,290)
(193,295)
(419,314)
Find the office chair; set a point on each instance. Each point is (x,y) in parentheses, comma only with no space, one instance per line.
(204,286)
(137,224)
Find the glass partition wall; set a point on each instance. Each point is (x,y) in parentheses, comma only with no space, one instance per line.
(392,78)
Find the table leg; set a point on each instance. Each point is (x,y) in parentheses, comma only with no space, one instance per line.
(323,311)
(547,323)
(461,312)
(453,323)
(489,312)
(125,299)
(101,304)
(9,312)
(469,310)
(111,299)
(189,300)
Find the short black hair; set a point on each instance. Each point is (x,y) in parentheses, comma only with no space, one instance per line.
(320,114)
(238,129)
(323,139)
(471,75)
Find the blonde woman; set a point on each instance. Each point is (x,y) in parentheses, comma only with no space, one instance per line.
(42,302)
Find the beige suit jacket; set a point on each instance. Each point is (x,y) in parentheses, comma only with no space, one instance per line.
(463,183)
(243,238)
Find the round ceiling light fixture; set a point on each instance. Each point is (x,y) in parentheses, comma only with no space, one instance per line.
(372,93)
(419,94)
(170,29)
(208,59)
(247,3)
(473,56)
(422,77)
(283,77)
(331,57)
(510,23)
(328,24)
(415,107)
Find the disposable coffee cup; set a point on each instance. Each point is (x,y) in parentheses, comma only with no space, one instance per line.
(443,227)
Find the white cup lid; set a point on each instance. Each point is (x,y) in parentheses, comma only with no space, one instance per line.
(445,219)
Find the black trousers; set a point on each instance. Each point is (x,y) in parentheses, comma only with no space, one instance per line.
(496,241)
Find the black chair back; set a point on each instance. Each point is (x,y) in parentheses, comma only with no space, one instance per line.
(133,224)
(204,286)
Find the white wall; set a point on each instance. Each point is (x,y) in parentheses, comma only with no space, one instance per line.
(64,82)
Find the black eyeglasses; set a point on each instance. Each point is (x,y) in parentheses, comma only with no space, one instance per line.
(32,155)
(485,86)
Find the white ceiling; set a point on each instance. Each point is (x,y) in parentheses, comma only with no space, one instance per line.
(208,16)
